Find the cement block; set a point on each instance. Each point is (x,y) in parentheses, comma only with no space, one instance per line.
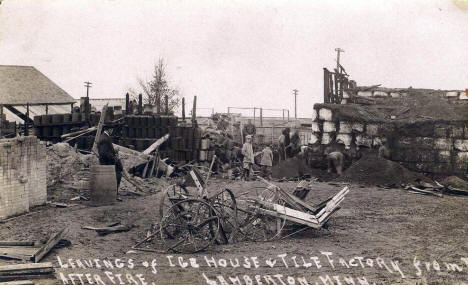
(461,145)
(345,94)
(372,129)
(405,142)
(346,127)
(329,127)
(344,101)
(380,94)
(452,94)
(362,140)
(313,139)
(443,156)
(325,114)
(358,127)
(462,95)
(395,95)
(443,144)
(440,130)
(315,127)
(455,130)
(365,93)
(427,155)
(345,139)
(461,161)
(327,138)
(424,142)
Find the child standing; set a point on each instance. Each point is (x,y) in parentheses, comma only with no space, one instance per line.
(267,162)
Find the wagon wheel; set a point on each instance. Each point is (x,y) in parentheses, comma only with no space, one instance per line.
(189,226)
(224,203)
(171,196)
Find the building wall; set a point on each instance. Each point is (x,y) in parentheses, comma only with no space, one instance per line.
(439,147)
(22,175)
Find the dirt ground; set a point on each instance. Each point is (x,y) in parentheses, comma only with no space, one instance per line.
(380,225)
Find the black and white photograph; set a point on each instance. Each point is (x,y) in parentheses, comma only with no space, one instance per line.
(234,142)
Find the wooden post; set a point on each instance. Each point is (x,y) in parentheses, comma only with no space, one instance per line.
(26,122)
(47,109)
(99,129)
(254,116)
(71,107)
(166,101)
(194,109)
(261,117)
(140,104)
(127,103)
(183,109)
(87,110)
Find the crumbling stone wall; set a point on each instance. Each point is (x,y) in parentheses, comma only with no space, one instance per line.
(22,175)
(433,146)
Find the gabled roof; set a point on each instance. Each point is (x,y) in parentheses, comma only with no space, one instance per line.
(25,84)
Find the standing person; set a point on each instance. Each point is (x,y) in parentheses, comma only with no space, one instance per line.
(108,155)
(247,152)
(267,162)
(282,146)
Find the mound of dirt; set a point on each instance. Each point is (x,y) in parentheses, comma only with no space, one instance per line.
(372,170)
(456,182)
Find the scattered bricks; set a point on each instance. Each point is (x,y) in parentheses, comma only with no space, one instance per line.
(329,127)
(358,127)
(443,144)
(315,127)
(326,138)
(345,139)
(365,93)
(372,129)
(362,140)
(424,142)
(345,127)
(325,114)
(461,145)
(377,141)
(443,156)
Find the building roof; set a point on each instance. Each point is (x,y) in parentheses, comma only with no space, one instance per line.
(25,84)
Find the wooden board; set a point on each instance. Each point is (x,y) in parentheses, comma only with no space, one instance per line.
(17,252)
(26,268)
(16,243)
(41,252)
(99,128)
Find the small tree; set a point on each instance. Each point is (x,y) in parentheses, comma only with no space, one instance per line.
(155,90)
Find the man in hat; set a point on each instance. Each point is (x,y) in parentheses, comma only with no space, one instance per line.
(108,155)
(247,152)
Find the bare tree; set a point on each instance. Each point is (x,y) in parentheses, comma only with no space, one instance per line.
(155,90)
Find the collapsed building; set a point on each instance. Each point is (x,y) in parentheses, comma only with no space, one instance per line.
(425,130)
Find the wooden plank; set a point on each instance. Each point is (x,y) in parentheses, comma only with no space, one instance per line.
(26,268)
(426,191)
(150,174)
(16,243)
(18,282)
(21,253)
(156,144)
(99,128)
(143,174)
(294,213)
(36,257)
(289,218)
(116,229)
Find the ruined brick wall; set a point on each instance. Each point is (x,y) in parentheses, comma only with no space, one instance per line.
(439,147)
(454,96)
(22,175)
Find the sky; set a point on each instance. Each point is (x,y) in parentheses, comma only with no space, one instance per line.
(238,53)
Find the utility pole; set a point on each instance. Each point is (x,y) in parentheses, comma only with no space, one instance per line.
(295,103)
(88,85)
(338,51)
